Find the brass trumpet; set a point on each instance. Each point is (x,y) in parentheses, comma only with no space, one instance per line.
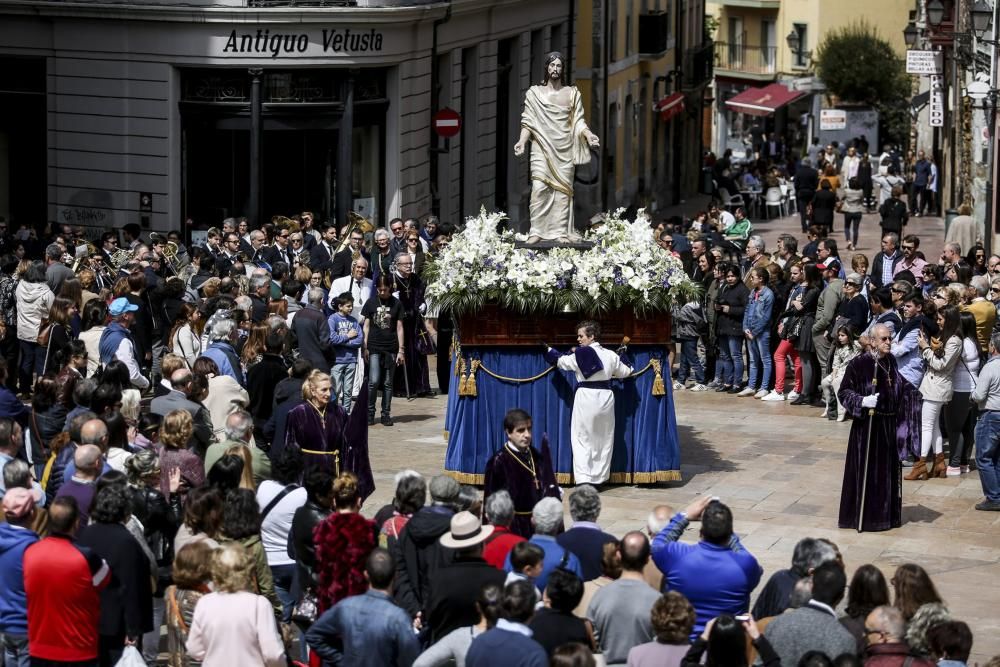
(356,222)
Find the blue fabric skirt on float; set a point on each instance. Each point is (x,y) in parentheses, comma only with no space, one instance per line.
(646,448)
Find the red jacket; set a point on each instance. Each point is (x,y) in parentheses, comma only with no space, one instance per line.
(63,581)
(498,545)
(893,655)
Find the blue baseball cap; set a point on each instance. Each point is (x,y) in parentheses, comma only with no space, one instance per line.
(120,306)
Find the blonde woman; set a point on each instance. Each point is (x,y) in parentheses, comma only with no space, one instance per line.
(246,479)
(316,428)
(233,626)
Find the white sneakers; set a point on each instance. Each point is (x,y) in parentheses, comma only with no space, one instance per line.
(699,387)
(678,386)
(749,391)
(773,396)
(792,395)
(761,394)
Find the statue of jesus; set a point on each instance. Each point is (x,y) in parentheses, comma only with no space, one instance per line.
(560,140)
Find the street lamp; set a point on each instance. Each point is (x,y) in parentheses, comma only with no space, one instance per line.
(794,41)
(935,12)
(982,17)
(910,34)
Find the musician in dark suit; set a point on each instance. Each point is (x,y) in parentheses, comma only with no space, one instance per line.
(341,264)
(321,255)
(279,252)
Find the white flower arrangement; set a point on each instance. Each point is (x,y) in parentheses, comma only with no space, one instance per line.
(623,268)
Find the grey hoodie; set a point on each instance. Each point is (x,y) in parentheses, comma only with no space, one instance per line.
(33,303)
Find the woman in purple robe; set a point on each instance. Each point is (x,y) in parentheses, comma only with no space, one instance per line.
(409,289)
(874,393)
(323,432)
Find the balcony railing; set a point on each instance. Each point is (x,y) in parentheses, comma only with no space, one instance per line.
(746,58)
(302,3)
(697,65)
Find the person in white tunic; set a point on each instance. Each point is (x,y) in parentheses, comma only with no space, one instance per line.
(592,428)
(560,139)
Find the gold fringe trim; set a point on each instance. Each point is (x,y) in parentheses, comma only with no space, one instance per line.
(567,477)
(645,477)
(466,477)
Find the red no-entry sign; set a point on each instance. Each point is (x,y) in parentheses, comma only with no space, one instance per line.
(447,123)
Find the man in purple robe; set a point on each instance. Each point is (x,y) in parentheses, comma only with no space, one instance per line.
(521,470)
(873,392)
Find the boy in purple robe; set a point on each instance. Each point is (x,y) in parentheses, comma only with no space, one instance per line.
(521,470)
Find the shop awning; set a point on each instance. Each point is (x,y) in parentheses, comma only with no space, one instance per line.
(670,106)
(763,101)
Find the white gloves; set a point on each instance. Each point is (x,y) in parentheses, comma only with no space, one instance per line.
(869,401)
(423,309)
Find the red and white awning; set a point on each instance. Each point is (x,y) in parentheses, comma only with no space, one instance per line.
(763,101)
(669,106)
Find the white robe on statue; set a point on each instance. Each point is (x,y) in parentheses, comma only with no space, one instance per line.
(592,428)
(558,144)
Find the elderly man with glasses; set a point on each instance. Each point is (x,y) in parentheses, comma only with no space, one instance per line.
(873,392)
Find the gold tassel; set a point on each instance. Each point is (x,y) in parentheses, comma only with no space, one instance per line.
(470,381)
(456,350)
(460,374)
(658,388)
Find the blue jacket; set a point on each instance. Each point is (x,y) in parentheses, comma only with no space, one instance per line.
(554,554)
(224,355)
(366,630)
(12,408)
(757,315)
(504,646)
(345,349)
(734,572)
(13,600)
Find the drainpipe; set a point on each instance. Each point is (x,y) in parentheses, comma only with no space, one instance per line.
(605,116)
(435,150)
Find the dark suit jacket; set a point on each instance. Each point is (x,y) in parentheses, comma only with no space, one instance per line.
(127,603)
(271,255)
(340,265)
(806,182)
(320,258)
(586,544)
(176,400)
(313,337)
(454,590)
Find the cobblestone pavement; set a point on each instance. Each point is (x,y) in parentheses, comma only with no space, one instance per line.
(779,467)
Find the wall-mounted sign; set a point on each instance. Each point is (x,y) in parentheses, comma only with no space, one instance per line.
(937,101)
(923,62)
(447,123)
(832,119)
(264,41)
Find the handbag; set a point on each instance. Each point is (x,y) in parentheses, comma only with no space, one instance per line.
(793,329)
(44,332)
(306,610)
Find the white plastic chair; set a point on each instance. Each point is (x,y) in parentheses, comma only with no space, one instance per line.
(790,204)
(731,201)
(774,198)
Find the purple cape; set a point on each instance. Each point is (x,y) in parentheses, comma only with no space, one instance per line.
(510,471)
(338,431)
(873,435)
